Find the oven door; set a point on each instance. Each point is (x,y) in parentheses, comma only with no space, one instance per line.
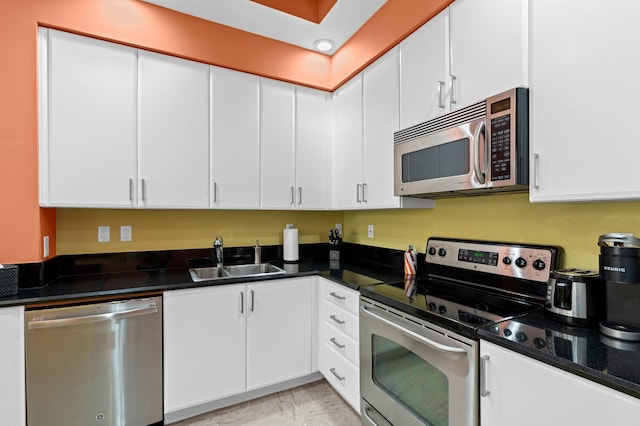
(413,373)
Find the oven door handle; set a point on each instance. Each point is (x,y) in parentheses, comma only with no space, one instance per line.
(432,344)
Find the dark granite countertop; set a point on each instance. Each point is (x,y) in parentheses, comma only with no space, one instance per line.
(583,351)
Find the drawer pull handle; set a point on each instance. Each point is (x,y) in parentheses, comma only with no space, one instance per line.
(337,296)
(333,340)
(333,317)
(333,370)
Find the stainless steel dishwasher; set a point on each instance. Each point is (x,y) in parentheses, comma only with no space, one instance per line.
(95,364)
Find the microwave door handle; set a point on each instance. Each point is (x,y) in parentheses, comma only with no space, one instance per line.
(476,150)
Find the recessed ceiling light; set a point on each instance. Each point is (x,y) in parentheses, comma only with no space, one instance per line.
(323,45)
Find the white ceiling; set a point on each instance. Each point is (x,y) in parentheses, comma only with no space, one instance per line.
(342,21)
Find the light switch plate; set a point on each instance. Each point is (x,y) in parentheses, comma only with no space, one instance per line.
(125,233)
(370,231)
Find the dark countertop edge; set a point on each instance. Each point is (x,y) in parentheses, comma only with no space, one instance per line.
(590,374)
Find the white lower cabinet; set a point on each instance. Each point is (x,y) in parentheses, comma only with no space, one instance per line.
(12,373)
(223,341)
(523,392)
(339,340)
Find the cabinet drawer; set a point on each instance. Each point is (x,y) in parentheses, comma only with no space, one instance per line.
(342,375)
(340,296)
(342,343)
(340,319)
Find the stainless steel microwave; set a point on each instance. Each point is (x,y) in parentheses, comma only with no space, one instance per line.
(483,148)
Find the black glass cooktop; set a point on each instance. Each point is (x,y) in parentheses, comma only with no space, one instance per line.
(466,306)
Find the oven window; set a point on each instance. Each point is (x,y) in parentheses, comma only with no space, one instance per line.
(449,159)
(414,383)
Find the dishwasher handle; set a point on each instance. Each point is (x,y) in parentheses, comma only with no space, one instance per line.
(88,319)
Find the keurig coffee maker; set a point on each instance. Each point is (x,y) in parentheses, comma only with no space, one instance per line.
(620,268)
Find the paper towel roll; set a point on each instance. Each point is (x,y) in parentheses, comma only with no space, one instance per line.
(291,245)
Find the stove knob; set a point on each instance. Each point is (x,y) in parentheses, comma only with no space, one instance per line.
(432,306)
(507,332)
(539,343)
(432,251)
(442,252)
(442,309)
(521,262)
(539,264)
(521,337)
(506,260)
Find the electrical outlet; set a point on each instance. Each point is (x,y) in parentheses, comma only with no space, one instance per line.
(45,248)
(370,231)
(125,233)
(103,234)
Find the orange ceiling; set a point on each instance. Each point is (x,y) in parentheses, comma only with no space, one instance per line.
(311,10)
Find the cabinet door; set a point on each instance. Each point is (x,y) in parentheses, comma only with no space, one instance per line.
(381,115)
(174,132)
(277,144)
(12,372)
(88,131)
(424,72)
(489,48)
(313,118)
(581,118)
(235,161)
(347,145)
(516,383)
(279,331)
(204,345)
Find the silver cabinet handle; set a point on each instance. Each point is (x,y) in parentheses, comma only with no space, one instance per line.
(484,392)
(130,189)
(434,345)
(333,340)
(453,83)
(242,302)
(88,319)
(215,192)
(358,189)
(292,202)
(536,171)
(252,300)
(333,370)
(476,160)
(299,195)
(333,293)
(440,97)
(144,190)
(364,192)
(333,317)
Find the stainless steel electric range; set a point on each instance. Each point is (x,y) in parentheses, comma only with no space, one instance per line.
(418,338)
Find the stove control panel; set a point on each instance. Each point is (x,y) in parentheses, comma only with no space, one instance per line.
(528,262)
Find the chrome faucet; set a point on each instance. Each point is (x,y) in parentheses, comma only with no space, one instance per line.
(217,250)
(257,253)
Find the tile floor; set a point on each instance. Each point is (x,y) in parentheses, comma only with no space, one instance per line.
(314,404)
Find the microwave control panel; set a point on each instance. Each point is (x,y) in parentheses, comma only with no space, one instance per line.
(500,127)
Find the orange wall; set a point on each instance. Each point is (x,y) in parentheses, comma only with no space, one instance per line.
(133,22)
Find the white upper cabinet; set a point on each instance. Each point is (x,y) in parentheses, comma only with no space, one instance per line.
(348,145)
(174,132)
(580,146)
(313,142)
(424,72)
(88,122)
(277,144)
(472,50)
(365,114)
(235,162)
(489,48)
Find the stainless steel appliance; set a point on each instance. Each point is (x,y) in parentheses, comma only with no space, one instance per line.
(483,147)
(575,297)
(620,267)
(418,340)
(95,364)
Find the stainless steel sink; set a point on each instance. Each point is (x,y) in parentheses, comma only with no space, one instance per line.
(234,271)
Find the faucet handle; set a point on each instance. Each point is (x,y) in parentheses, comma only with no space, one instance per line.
(218,241)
